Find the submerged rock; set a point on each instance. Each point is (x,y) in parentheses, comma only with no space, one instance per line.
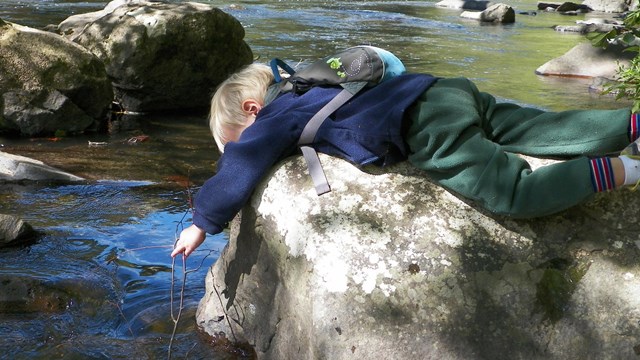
(391,266)
(161,55)
(21,294)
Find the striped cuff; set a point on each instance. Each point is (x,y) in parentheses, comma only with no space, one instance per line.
(634,127)
(602,174)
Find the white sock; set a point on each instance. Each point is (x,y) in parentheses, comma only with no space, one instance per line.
(631,170)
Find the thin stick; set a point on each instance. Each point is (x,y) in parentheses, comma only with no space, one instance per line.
(176,317)
(180,226)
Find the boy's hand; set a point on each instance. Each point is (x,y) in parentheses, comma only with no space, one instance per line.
(190,239)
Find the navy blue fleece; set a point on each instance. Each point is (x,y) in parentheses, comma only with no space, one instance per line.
(368,129)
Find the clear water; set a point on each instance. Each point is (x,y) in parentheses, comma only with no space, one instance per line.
(105,253)
(106,242)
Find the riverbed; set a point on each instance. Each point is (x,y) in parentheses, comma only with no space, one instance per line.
(106,241)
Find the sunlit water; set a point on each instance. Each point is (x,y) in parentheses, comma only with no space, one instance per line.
(106,241)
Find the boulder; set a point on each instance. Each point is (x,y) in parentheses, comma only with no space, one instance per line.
(548,5)
(14,231)
(48,83)
(588,61)
(566,8)
(20,168)
(162,55)
(611,6)
(390,266)
(572,7)
(496,13)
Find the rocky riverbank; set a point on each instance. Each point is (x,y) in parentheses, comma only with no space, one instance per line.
(462,278)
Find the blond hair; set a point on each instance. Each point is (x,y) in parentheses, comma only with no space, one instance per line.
(251,82)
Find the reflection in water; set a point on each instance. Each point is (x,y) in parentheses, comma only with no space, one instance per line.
(98,284)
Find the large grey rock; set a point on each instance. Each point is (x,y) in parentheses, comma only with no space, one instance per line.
(390,266)
(586,60)
(162,55)
(48,83)
(20,168)
(611,6)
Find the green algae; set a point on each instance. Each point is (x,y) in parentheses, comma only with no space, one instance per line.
(559,280)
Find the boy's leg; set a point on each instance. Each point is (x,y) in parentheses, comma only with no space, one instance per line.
(564,134)
(446,140)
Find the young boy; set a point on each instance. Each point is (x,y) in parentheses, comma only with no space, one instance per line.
(460,137)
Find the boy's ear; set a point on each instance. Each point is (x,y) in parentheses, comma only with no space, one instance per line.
(251,106)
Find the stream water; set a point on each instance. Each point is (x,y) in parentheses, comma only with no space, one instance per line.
(104,250)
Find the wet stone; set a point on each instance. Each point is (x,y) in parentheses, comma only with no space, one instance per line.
(20,294)
(14,231)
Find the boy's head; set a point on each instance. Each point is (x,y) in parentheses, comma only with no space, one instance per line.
(227,114)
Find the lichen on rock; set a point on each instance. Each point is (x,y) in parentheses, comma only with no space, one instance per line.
(406,269)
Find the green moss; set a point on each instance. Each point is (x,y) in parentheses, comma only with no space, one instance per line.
(54,75)
(554,290)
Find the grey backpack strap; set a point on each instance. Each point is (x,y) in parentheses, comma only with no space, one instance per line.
(308,135)
(315,170)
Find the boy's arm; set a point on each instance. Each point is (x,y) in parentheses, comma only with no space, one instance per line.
(240,169)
